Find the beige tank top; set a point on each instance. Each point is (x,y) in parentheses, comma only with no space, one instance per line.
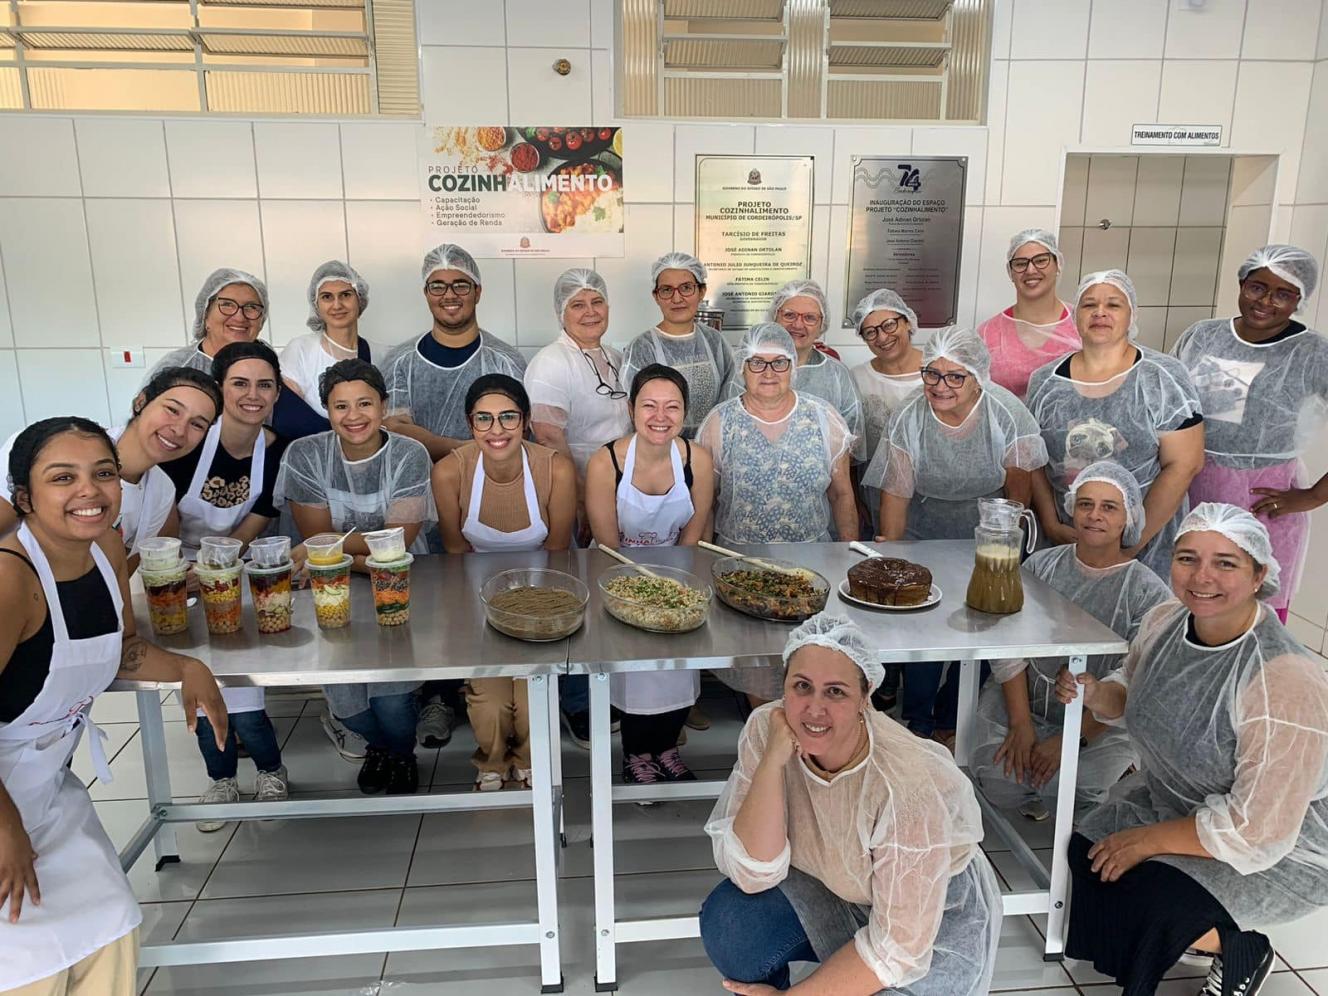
(503,506)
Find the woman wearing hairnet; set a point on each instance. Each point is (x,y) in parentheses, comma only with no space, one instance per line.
(1262,379)
(1114,399)
(231,306)
(1018,738)
(846,841)
(1039,327)
(1224,829)
(693,348)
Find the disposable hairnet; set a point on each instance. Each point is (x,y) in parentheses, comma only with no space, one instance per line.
(1132,496)
(571,283)
(883,299)
(1122,282)
(434,396)
(678,261)
(450,256)
(331,271)
(212,286)
(704,358)
(837,633)
(1039,235)
(766,338)
(1243,529)
(800,288)
(959,345)
(1291,263)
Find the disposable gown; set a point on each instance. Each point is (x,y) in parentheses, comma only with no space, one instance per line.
(895,838)
(1018,348)
(434,396)
(186,356)
(702,356)
(1236,736)
(826,378)
(1117,597)
(943,469)
(561,383)
(1264,406)
(1121,419)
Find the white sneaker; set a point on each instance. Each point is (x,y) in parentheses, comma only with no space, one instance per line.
(434,728)
(349,744)
(1035,810)
(272,786)
(488,781)
(520,778)
(221,790)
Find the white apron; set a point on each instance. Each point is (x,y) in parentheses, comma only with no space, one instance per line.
(653,520)
(87,901)
(199,518)
(486,539)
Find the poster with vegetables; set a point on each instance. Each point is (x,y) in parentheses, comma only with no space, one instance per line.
(538,191)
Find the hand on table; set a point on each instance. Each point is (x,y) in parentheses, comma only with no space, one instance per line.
(1016,751)
(1275,503)
(1114,855)
(1045,761)
(18,873)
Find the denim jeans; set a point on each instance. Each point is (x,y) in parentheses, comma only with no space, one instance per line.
(928,705)
(574,694)
(260,740)
(753,938)
(388,723)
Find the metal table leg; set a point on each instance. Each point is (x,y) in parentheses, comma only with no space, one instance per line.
(969,674)
(556,758)
(540,693)
(1057,921)
(601,828)
(152,730)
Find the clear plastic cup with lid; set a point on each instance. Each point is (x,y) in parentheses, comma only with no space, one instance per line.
(387,546)
(270,589)
(391,590)
(159,553)
(271,551)
(219,589)
(331,590)
(218,552)
(324,549)
(166,597)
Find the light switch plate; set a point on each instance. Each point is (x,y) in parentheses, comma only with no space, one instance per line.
(121,359)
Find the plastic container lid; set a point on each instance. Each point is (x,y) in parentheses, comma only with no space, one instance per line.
(324,549)
(218,552)
(271,551)
(338,567)
(388,565)
(164,574)
(159,552)
(266,571)
(387,545)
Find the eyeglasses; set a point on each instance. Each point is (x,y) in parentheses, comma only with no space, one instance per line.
(888,327)
(665,292)
(603,389)
(808,319)
(439,288)
(779,365)
(483,421)
(952,379)
(1040,262)
(252,311)
(1254,290)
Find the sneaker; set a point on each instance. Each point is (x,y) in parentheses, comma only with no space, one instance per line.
(403,774)
(488,781)
(374,771)
(1034,810)
(434,728)
(1251,985)
(221,790)
(578,727)
(272,786)
(520,778)
(349,744)
(696,719)
(641,769)
(671,763)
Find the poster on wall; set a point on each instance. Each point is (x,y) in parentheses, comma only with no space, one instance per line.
(906,232)
(538,191)
(753,230)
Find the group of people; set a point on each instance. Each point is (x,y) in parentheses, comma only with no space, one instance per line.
(844,838)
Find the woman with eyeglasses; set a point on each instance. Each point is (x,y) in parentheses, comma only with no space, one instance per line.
(1262,379)
(499,492)
(693,348)
(231,306)
(1116,400)
(1039,327)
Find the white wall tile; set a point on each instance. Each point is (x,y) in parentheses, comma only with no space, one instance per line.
(1199,92)
(647,163)
(602,86)
(684,228)
(1117,95)
(648,234)
(1204,191)
(124,383)
(793,140)
(438,23)
(1281,29)
(1322,52)
(122,157)
(1194,273)
(1001,28)
(386,243)
(211,157)
(47,272)
(1157,189)
(378,159)
(713,139)
(39,158)
(11,397)
(1311,601)
(601,23)
(1104,250)
(63,382)
(998,225)
(297,237)
(1211,30)
(1043,117)
(1149,263)
(213,234)
(6,332)
(1050,29)
(1253,180)
(1246,230)
(998,86)
(464,86)
(1152,326)
(1180,319)
(498,310)
(1074,190)
(537,94)
(1309,635)
(854,141)
(1127,29)
(298,160)
(1271,101)
(538,22)
(1312,186)
(967,314)
(536,324)
(836,278)
(958,141)
(820,265)
(138,292)
(1110,195)
(1309,228)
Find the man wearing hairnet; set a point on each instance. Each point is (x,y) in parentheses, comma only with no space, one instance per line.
(427,378)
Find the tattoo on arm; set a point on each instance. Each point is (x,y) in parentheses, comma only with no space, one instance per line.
(133,654)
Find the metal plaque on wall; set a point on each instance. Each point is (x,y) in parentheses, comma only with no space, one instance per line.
(753,230)
(906,230)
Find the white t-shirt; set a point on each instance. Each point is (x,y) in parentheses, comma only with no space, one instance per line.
(303,361)
(561,380)
(882,395)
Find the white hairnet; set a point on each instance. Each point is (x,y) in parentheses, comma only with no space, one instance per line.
(883,300)
(212,286)
(1291,263)
(766,337)
(678,261)
(334,270)
(450,256)
(1122,282)
(572,282)
(1243,529)
(838,633)
(1110,472)
(960,345)
(1039,235)
(800,288)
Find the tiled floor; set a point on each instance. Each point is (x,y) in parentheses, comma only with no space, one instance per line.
(280,876)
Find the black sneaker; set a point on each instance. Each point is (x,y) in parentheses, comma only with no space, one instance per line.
(403,774)
(374,771)
(1251,985)
(578,726)
(641,769)
(671,763)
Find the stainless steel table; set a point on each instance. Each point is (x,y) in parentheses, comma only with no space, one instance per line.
(446,638)
(1048,626)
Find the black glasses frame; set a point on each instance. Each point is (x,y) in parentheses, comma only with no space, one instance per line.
(603,389)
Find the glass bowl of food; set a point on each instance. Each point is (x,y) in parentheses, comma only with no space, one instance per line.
(535,604)
(774,590)
(665,600)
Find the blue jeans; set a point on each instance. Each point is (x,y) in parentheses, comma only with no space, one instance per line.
(574,694)
(753,938)
(260,740)
(928,705)
(388,723)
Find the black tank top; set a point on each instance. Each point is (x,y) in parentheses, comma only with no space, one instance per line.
(89,611)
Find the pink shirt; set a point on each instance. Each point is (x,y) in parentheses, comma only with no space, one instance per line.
(1018,348)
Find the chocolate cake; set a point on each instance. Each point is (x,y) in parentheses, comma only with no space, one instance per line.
(889,581)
